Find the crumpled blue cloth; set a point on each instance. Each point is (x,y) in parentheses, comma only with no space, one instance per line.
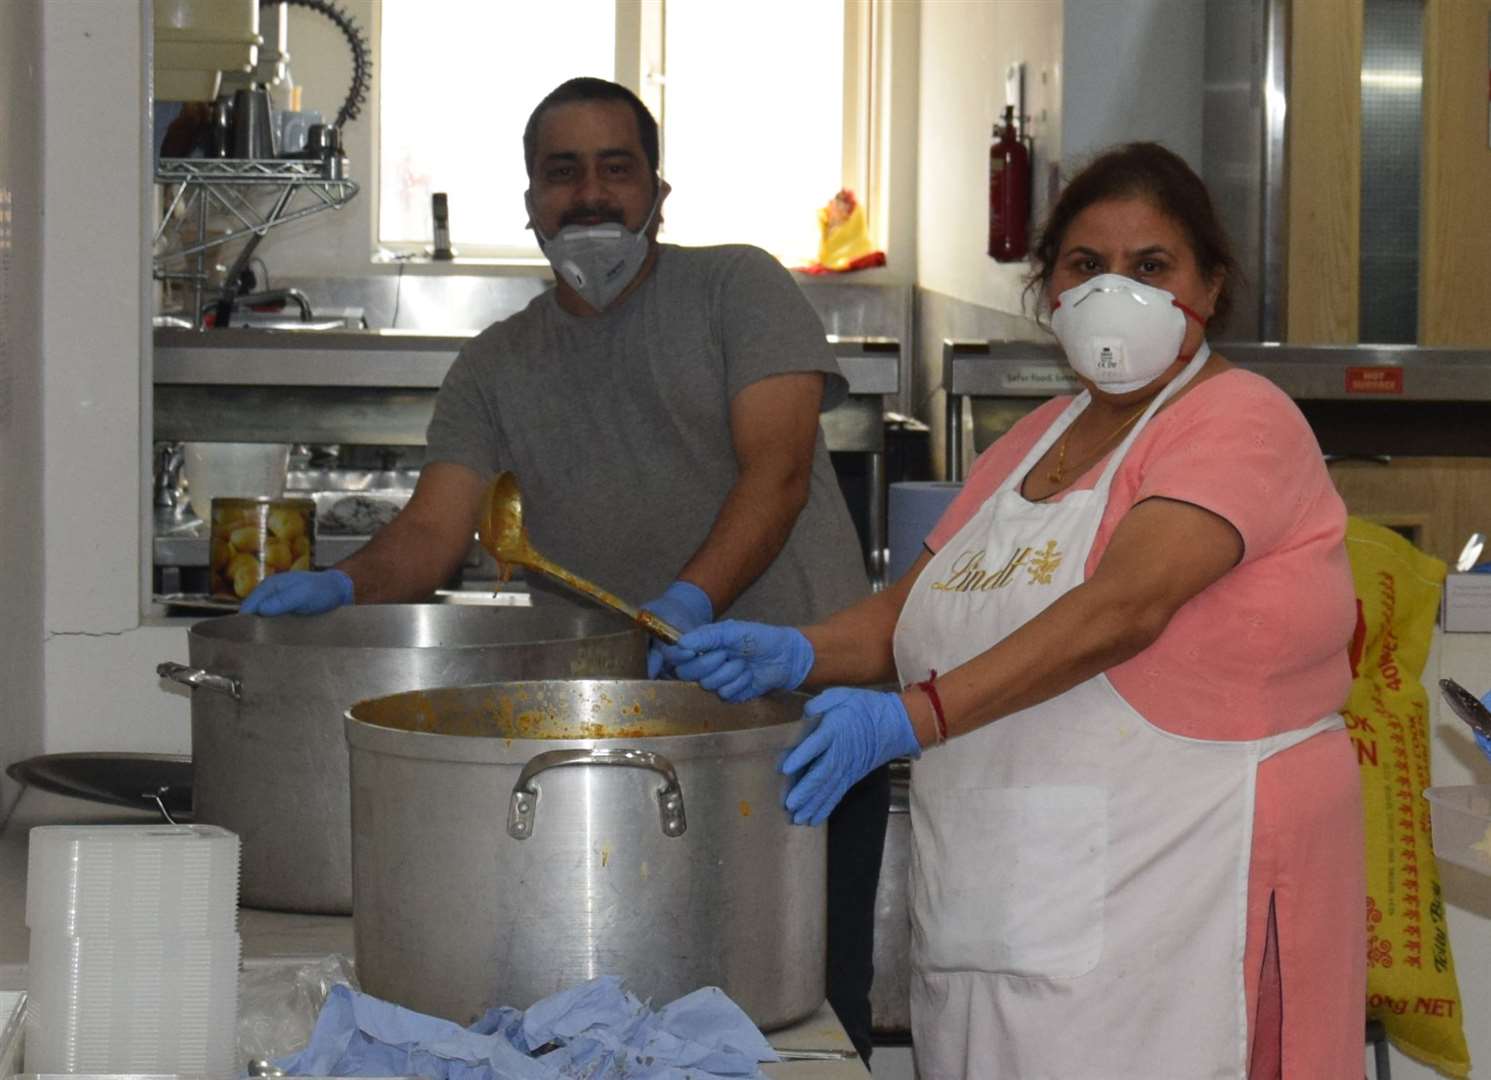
(594,1030)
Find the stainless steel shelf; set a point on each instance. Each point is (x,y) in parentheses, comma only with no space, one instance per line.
(388,359)
(1388,388)
(400,358)
(872,365)
(254,195)
(209,185)
(377,387)
(191,551)
(1304,372)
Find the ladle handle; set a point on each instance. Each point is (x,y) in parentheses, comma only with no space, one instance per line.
(645,619)
(663,631)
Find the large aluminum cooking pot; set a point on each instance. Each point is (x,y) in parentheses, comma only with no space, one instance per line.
(268,752)
(515,839)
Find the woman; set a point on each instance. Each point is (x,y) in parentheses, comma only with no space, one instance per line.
(1137,833)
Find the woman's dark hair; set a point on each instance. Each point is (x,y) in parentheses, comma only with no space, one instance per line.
(1149,171)
(588,89)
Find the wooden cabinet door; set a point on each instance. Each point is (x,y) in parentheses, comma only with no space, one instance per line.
(1437,502)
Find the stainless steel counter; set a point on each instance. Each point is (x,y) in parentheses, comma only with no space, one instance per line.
(377,388)
(191,550)
(1332,378)
(273,935)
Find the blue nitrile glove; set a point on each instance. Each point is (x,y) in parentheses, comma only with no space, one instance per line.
(1481,740)
(299,592)
(860,731)
(685,606)
(743,660)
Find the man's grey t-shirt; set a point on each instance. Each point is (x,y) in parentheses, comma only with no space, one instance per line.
(618,427)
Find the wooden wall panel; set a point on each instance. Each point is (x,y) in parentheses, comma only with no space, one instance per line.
(1324,172)
(1455,256)
(1437,502)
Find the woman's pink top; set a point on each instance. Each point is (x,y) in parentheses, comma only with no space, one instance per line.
(1263,649)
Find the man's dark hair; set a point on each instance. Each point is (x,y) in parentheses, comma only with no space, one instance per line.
(588,89)
(1149,171)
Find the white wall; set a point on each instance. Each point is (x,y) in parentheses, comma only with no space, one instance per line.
(966,46)
(20,388)
(101,692)
(1098,72)
(1132,71)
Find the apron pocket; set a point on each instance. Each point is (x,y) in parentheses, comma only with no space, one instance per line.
(1009,880)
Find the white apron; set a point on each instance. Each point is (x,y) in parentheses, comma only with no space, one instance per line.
(1079,877)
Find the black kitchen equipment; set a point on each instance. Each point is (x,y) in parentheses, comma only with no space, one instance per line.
(253,130)
(220,132)
(321,141)
(141,781)
(1466,706)
(440,212)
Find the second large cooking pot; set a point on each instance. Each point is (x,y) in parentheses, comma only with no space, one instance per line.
(268,753)
(513,840)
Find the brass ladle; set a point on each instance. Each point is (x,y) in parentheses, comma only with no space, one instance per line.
(501,532)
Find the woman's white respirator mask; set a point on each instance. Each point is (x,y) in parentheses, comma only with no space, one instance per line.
(1118,333)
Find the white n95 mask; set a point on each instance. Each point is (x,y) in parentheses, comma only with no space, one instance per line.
(598,261)
(1118,333)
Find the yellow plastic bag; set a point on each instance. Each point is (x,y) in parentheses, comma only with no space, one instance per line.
(844,237)
(1411,984)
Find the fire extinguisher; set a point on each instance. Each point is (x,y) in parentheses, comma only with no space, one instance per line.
(1009,192)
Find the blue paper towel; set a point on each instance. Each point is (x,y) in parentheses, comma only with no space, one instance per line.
(593,1031)
(912,511)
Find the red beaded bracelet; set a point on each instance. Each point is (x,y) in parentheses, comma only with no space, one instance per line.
(930,690)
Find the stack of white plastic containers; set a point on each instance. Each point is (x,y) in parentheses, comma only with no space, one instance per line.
(134,949)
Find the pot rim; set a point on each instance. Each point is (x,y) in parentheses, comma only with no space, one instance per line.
(599,626)
(498,748)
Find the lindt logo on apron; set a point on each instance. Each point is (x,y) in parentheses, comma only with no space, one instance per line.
(967,573)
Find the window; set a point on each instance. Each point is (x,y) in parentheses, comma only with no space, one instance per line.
(753,112)
(456,87)
(757,104)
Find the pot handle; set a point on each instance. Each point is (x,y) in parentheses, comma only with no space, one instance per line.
(525,792)
(195,677)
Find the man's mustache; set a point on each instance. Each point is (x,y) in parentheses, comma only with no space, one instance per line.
(591,215)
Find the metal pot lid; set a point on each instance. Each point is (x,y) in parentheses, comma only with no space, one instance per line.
(119,779)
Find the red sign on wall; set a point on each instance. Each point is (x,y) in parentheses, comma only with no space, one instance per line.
(1374,380)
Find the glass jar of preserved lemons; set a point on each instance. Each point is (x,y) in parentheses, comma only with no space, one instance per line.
(254,538)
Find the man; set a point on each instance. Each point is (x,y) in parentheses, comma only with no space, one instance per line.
(660,409)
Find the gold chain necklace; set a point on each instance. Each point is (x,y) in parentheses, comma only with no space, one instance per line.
(1056,474)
